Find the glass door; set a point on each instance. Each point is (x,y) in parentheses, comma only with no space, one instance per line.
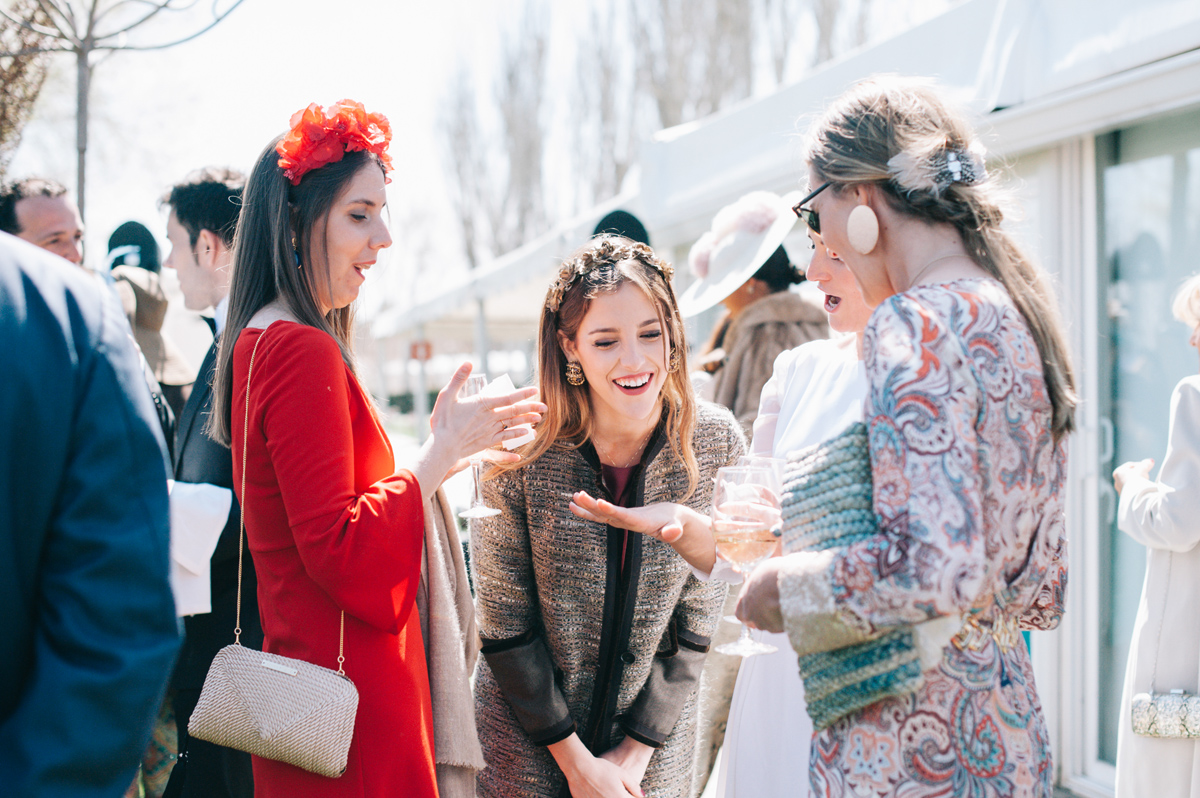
(1149,194)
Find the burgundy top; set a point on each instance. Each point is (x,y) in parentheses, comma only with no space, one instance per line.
(617,480)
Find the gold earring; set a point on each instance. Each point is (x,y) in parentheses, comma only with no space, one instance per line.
(673,361)
(574,373)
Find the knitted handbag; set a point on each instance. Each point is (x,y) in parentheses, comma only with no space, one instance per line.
(827,504)
(272,706)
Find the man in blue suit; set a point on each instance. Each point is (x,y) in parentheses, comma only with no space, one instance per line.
(88,624)
(203,217)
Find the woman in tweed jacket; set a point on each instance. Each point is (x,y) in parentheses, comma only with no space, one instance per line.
(593,637)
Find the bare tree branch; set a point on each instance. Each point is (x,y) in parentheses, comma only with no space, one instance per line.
(825,12)
(155,7)
(69,29)
(202,31)
(693,56)
(22,75)
(780,19)
(41,30)
(62,23)
(146,17)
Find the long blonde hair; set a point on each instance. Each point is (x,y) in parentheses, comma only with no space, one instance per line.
(897,133)
(599,267)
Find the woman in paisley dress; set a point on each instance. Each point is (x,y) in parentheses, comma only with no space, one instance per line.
(969,405)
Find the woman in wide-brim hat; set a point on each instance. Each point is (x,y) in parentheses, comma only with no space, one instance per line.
(741,264)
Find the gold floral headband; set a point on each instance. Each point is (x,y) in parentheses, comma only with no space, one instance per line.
(607,251)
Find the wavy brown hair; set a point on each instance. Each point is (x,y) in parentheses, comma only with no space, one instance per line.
(887,131)
(599,267)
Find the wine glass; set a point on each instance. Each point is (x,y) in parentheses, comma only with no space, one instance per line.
(776,466)
(473,387)
(746,509)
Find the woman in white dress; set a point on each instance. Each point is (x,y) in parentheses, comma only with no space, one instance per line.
(815,391)
(1164,516)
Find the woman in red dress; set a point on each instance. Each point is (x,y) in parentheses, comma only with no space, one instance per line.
(334,527)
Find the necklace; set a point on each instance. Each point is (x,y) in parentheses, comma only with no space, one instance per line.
(917,277)
(637,455)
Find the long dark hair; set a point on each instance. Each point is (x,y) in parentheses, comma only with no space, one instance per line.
(278,221)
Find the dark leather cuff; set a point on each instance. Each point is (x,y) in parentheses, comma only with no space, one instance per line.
(525,673)
(671,683)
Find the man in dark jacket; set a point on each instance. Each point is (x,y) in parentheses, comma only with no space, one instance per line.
(203,216)
(88,623)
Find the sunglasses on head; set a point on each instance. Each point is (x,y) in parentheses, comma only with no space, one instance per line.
(811,217)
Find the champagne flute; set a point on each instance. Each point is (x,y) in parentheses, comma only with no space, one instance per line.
(473,387)
(776,465)
(746,508)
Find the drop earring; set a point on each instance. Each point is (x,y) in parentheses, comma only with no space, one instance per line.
(673,362)
(574,373)
(862,229)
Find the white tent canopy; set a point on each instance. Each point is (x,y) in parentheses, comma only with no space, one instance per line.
(1037,71)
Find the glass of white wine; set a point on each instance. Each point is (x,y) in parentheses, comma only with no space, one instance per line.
(473,387)
(776,466)
(746,509)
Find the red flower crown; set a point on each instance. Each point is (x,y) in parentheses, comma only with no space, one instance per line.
(323,135)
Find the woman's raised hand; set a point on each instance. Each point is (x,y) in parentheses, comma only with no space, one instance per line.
(1126,471)
(462,426)
(467,425)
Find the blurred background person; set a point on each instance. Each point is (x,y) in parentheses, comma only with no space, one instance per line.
(41,212)
(622,223)
(89,622)
(1164,516)
(816,390)
(741,263)
(203,213)
(134,266)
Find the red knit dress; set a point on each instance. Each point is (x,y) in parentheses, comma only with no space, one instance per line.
(332,526)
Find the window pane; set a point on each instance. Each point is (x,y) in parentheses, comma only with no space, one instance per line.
(1151,203)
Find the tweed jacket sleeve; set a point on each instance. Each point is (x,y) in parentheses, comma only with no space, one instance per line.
(508,615)
(675,672)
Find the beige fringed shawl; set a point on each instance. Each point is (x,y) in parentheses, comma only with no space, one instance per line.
(451,648)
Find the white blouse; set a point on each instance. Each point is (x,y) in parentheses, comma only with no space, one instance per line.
(815,391)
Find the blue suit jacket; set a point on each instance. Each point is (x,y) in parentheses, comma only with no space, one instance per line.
(88,623)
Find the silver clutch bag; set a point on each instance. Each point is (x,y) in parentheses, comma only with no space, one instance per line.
(273,706)
(1173,714)
(278,708)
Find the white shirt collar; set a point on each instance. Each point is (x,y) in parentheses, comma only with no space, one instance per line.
(220,312)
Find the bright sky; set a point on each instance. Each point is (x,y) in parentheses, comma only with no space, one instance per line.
(220,98)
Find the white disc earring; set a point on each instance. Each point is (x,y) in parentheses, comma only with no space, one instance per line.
(862,229)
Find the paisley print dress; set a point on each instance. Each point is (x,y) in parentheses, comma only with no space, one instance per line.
(968,488)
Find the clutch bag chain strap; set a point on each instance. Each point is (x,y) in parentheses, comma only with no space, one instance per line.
(237,628)
(1172,714)
(307,719)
